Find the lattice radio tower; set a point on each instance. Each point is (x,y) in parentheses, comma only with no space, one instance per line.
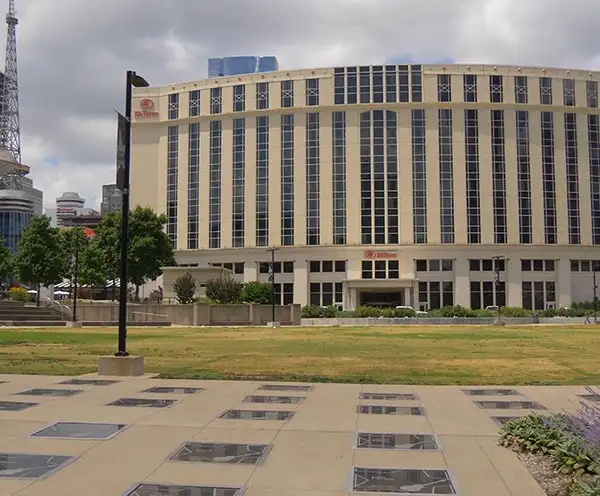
(10,132)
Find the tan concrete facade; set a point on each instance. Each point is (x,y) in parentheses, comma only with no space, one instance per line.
(545,178)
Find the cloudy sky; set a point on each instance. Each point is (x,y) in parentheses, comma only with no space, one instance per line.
(73,55)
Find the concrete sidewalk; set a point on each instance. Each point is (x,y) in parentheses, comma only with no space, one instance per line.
(329,443)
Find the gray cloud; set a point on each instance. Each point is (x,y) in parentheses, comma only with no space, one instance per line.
(73,55)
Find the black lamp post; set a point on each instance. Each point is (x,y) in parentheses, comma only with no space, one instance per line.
(496,260)
(133,80)
(594,269)
(75,269)
(272,280)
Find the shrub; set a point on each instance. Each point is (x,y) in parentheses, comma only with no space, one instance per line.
(203,301)
(367,312)
(257,292)
(455,311)
(185,288)
(515,312)
(482,312)
(317,312)
(225,290)
(19,294)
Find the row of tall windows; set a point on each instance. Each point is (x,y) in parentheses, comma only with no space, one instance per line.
(287,180)
(382,84)
(238,223)
(172,182)
(378,84)
(313,176)
(496,90)
(379,206)
(379,177)
(193,186)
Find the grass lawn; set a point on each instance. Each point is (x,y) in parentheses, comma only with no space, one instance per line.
(402,355)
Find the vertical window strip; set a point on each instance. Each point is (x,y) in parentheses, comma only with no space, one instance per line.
(262,181)
(379,210)
(499,177)
(392,176)
(470,88)
(569,92)
(312,92)
(193,186)
(215,101)
(446,176)
(591,90)
(378,86)
(416,83)
(391,84)
(287,94)
(339,86)
(496,89)
(545,90)
(594,151)
(174,106)
(262,96)
(194,103)
(339,178)
(214,197)
(419,177)
(444,87)
(549,178)
(572,164)
(287,180)
(172,182)
(366,203)
(352,85)
(403,84)
(239,183)
(473,186)
(524,178)
(521,90)
(239,98)
(313,204)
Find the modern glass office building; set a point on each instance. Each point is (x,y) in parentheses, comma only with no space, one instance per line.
(421,185)
(233,66)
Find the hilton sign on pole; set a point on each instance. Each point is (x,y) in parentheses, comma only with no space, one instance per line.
(147,109)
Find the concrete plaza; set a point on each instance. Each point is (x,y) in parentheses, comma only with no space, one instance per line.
(329,443)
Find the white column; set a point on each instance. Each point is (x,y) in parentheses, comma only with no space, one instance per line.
(301,282)
(514,283)
(462,286)
(563,282)
(250,272)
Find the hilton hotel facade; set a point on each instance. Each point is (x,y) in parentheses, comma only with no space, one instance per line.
(384,185)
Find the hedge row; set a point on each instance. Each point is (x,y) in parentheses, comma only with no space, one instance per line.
(316,312)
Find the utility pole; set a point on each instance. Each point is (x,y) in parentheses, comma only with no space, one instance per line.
(273,323)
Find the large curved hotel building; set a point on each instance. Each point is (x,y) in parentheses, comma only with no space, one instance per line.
(410,185)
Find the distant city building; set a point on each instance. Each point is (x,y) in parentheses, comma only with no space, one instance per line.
(36,195)
(231,66)
(68,206)
(17,206)
(90,220)
(112,199)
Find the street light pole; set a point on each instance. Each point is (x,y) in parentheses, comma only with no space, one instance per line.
(594,269)
(132,80)
(272,278)
(75,266)
(496,260)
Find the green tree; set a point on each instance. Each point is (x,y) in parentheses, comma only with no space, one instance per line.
(185,288)
(92,269)
(150,248)
(257,292)
(106,246)
(41,257)
(7,265)
(225,290)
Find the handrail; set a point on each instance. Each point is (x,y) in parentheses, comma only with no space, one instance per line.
(64,310)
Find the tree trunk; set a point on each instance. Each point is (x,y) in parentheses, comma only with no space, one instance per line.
(137,293)
(38,295)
